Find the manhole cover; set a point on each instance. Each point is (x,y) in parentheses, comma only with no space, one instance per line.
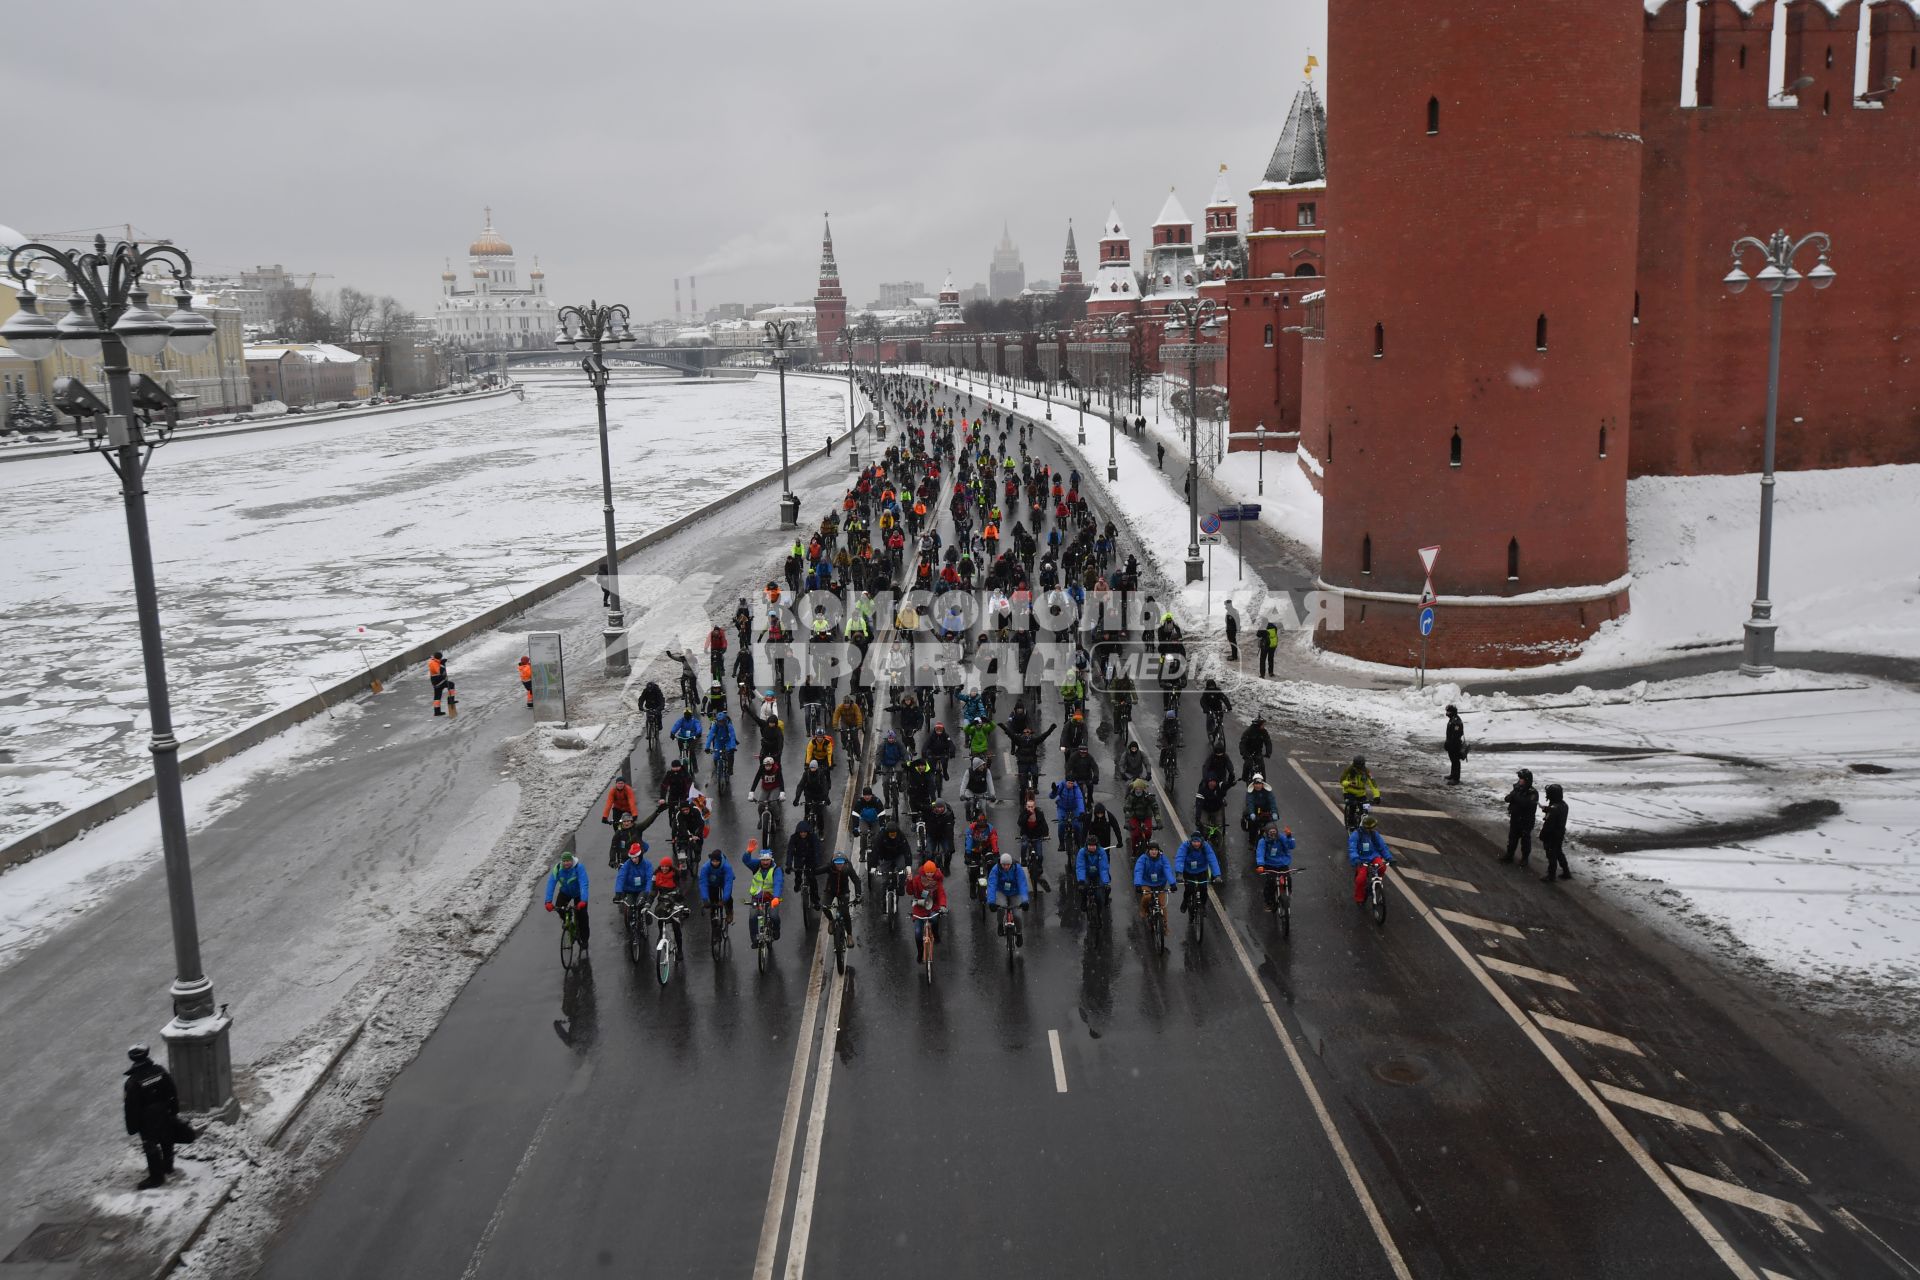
(1401,1071)
(52,1242)
(1869,768)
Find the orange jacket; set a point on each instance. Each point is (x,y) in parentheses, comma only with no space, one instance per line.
(436,668)
(620,796)
(526,671)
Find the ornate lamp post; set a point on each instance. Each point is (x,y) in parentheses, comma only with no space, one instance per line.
(107,318)
(599,328)
(1260,441)
(1778,278)
(853,442)
(779,333)
(1112,327)
(1194,317)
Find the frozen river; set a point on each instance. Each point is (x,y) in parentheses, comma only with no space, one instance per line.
(273,549)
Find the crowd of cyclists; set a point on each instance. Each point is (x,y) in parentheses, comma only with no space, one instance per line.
(976,533)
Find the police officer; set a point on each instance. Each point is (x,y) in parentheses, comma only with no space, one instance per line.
(153,1112)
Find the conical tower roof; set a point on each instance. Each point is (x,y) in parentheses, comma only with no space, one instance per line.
(1114,229)
(1222,196)
(1301,155)
(1171,214)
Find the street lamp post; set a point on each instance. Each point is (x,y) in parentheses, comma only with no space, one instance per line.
(1778,278)
(1194,316)
(779,333)
(1113,327)
(853,441)
(1260,440)
(108,319)
(599,328)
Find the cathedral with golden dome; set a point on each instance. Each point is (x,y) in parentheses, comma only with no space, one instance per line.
(490,309)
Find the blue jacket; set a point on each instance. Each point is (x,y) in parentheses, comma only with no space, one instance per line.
(1187,860)
(869,813)
(574,881)
(1151,872)
(722,737)
(633,877)
(709,874)
(1088,863)
(1262,803)
(1275,851)
(687,726)
(1376,843)
(1069,801)
(1008,882)
(892,754)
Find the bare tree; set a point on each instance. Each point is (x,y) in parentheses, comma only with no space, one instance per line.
(352,309)
(391,320)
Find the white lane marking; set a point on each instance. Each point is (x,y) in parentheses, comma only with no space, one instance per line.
(1734,1263)
(1445,882)
(1381,808)
(1405,843)
(1656,1107)
(1734,1193)
(1476,922)
(1847,1217)
(1732,1122)
(1345,1157)
(1059,1063)
(1592,1035)
(790,1120)
(816,1128)
(500,1207)
(1526,971)
(1773,1275)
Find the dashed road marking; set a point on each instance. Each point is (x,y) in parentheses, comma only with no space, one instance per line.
(1769,1274)
(1405,843)
(1592,1035)
(1526,971)
(1059,1063)
(1734,1193)
(1732,1122)
(1841,1212)
(1655,1107)
(1445,882)
(1476,922)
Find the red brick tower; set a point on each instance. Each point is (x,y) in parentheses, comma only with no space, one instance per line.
(1479,335)
(829,304)
(1073,287)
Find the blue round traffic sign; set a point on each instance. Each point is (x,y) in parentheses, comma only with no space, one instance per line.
(1210,524)
(1426,620)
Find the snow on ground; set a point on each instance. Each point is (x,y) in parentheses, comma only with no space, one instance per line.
(274,549)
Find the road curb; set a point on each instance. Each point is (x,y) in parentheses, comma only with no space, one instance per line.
(68,826)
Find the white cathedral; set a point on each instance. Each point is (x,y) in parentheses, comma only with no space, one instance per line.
(494,311)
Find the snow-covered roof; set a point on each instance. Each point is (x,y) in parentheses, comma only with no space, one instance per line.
(9,238)
(266,353)
(1171,214)
(1114,229)
(1301,154)
(1222,196)
(1833,7)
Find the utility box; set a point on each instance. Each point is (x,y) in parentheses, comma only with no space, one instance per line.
(549,676)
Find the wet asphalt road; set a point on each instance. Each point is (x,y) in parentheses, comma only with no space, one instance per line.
(600,1124)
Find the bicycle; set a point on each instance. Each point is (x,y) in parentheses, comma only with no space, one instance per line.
(840,926)
(1377,889)
(928,927)
(719,940)
(769,821)
(686,852)
(762,930)
(1195,905)
(1356,808)
(1276,890)
(1139,831)
(890,786)
(653,726)
(1034,859)
(1216,726)
(1157,920)
(687,751)
(891,883)
(723,771)
(1010,929)
(1093,902)
(635,927)
(666,946)
(570,949)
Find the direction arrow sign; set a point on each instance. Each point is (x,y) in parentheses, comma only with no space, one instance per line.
(1249,511)
(1211,524)
(1426,621)
(1210,539)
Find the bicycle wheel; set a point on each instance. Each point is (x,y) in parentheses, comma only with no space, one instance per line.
(926,950)
(717,934)
(663,956)
(764,948)
(569,943)
(1007,924)
(1379,892)
(839,945)
(1283,905)
(636,934)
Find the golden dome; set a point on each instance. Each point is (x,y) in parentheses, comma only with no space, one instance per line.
(490,245)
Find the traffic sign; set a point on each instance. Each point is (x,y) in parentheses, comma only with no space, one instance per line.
(1426,621)
(1248,511)
(1210,524)
(1427,556)
(1210,539)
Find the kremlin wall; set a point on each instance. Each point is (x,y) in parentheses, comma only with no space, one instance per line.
(1482,291)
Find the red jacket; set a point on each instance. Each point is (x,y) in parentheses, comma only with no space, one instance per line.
(620,796)
(918,882)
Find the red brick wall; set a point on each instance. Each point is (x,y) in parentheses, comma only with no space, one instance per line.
(1470,636)
(1850,371)
(1313,403)
(1525,202)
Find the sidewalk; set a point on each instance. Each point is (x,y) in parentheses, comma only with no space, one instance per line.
(350,877)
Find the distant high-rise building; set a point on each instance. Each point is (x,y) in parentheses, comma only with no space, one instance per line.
(899,294)
(1008,275)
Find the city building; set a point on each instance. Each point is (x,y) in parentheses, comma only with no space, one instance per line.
(1172,266)
(1008,275)
(492,310)
(303,374)
(1115,290)
(897,294)
(829,303)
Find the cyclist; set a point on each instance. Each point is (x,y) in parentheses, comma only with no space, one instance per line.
(1219,767)
(721,739)
(634,881)
(1007,884)
(689,828)
(1091,865)
(891,755)
(815,788)
(716,700)
(842,885)
(983,842)
(939,819)
(769,782)
(928,889)
(979,781)
(716,881)
(939,751)
(1363,846)
(765,883)
(1256,744)
(686,730)
(891,849)
(922,784)
(653,702)
(848,721)
(1209,803)
(619,800)
(1196,863)
(1083,768)
(1069,807)
(1032,825)
(1272,855)
(1357,787)
(803,858)
(820,749)
(978,732)
(1153,874)
(567,886)
(1261,806)
(1134,765)
(1215,704)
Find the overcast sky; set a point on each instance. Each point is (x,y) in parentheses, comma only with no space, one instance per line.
(630,143)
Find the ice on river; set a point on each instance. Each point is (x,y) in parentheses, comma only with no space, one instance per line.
(273,549)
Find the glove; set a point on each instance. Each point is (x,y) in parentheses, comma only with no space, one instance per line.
(606,822)
(549,906)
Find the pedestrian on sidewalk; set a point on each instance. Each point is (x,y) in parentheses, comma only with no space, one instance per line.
(1161,462)
(1521,802)
(442,682)
(1456,743)
(1553,832)
(1269,644)
(526,678)
(153,1112)
(1233,633)
(606,594)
